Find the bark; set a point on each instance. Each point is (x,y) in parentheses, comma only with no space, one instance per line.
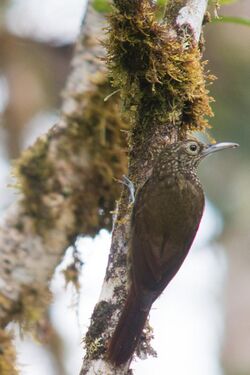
(143,87)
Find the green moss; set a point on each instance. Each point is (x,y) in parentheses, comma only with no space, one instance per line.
(161,78)
(31,307)
(101,131)
(96,134)
(33,171)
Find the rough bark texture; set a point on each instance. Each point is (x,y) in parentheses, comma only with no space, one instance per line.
(158,69)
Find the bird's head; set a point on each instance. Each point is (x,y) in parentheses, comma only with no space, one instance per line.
(185,155)
(191,151)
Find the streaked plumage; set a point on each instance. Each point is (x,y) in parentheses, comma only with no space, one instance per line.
(165,218)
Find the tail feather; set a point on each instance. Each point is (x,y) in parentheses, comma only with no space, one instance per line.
(129,328)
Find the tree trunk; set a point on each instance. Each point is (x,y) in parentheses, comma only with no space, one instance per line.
(157,68)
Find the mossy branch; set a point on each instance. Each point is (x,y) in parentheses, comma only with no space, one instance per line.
(67,185)
(161,69)
(163,83)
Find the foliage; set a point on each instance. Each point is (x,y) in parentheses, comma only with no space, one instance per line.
(231,19)
(102,6)
(225,2)
(237,20)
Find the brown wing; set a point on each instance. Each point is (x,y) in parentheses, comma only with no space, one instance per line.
(164,223)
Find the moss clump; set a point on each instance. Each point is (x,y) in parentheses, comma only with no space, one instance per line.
(78,164)
(34,172)
(71,275)
(100,130)
(7,355)
(31,307)
(161,77)
(72,272)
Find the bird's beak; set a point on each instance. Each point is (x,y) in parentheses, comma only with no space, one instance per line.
(217,147)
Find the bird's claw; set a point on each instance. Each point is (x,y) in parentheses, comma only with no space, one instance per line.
(127,182)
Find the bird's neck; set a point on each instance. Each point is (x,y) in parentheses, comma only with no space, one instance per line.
(190,174)
(171,168)
(174,170)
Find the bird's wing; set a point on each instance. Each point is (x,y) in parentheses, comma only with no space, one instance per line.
(147,239)
(161,237)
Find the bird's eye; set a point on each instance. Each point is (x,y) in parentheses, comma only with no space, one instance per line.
(192,148)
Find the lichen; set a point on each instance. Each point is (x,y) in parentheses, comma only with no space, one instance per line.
(95,342)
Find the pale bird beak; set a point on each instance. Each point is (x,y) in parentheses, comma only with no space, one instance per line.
(218,147)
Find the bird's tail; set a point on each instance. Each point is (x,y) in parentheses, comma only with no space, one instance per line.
(129,328)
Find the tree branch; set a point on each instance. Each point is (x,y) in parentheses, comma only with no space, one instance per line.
(191,14)
(66,182)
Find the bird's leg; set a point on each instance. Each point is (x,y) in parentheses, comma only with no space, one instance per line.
(127,182)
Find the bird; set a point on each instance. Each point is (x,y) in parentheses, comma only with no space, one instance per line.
(165,218)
